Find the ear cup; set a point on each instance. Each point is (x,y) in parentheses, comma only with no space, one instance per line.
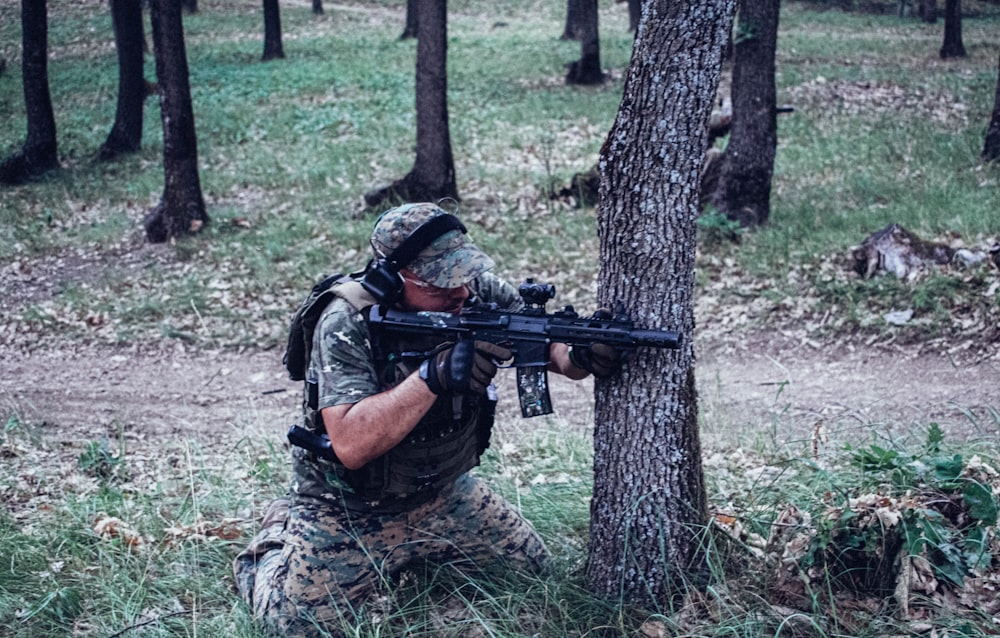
(382,281)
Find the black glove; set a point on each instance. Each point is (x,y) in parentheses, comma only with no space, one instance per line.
(599,359)
(467,366)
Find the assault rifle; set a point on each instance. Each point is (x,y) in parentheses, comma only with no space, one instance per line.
(527,333)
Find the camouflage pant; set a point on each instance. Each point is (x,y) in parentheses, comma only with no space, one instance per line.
(315,570)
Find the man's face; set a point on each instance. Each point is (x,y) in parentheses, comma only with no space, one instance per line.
(419,295)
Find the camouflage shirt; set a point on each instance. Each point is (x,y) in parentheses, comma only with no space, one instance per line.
(343,368)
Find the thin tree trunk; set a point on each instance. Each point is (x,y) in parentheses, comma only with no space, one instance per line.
(587,70)
(744,188)
(433,174)
(634,14)
(181,210)
(649,506)
(928,11)
(126,133)
(572,28)
(412,20)
(39,153)
(991,147)
(272,31)
(318,7)
(435,165)
(952,47)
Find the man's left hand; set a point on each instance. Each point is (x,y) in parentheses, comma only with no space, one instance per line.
(599,359)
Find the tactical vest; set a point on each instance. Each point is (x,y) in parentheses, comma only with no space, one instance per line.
(447,442)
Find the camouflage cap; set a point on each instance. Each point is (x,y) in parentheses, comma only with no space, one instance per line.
(450,261)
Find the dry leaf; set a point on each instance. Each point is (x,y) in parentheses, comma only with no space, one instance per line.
(202,530)
(113,527)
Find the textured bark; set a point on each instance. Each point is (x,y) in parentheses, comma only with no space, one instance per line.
(991,147)
(587,70)
(952,46)
(649,507)
(38,154)
(181,210)
(412,18)
(126,133)
(433,174)
(744,187)
(272,31)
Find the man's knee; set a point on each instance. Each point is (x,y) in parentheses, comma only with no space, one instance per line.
(494,530)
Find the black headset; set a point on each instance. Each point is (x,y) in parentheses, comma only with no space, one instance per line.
(382,279)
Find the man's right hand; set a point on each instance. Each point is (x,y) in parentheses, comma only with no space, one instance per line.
(467,366)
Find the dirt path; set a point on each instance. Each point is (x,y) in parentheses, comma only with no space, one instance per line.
(849,391)
(77,394)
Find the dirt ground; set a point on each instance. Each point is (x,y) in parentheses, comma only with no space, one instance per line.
(75,394)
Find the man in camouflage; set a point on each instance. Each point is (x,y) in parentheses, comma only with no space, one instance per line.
(405,430)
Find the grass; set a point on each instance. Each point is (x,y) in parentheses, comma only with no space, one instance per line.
(118,541)
(883,132)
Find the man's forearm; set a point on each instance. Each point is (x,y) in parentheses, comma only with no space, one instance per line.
(560,363)
(363,431)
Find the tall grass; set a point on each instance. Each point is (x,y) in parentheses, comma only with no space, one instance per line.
(115,542)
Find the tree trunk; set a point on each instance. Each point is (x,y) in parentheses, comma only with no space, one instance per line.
(952,46)
(318,7)
(649,507)
(928,11)
(181,210)
(634,14)
(272,31)
(587,70)
(191,6)
(991,148)
(573,29)
(126,133)
(744,188)
(412,19)
(433,174)
(38,154)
